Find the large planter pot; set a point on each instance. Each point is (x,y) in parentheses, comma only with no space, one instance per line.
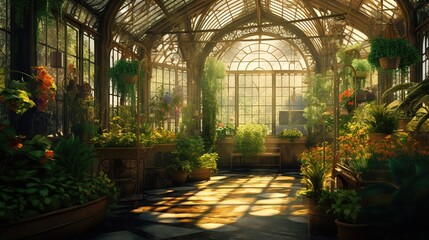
(60,224)
(348,231)
(318,220)
(178,178)
(200,174)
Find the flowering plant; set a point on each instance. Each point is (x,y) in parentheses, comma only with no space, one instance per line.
(223,129)
(165,105)
(347,99)
(161,135)
(21,96)
(45,88)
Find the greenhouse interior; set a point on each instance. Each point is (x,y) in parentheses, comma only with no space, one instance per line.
(214,119)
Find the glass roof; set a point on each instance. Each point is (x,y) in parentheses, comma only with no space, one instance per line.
(209,21)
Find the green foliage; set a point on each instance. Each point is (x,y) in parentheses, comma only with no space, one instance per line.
(118,72)
(34,195)
(222,129)
(399,209)
(347,206)
(214,73)
(188,150)
(383,47)
(381,119)
(207,160)
(250,139)
(316,167)
(74,157)
(416,101)
(16,97)
(291,134)
(318,97)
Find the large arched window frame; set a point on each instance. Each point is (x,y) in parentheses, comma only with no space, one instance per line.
(265,83)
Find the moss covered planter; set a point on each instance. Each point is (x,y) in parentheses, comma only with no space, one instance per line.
(60,224)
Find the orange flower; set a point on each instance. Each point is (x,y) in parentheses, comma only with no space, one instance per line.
(19,145)
(49,154)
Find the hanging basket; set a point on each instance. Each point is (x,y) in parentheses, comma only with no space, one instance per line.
(130,79)
(389,62)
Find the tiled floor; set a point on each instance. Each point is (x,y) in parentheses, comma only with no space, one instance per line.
(229,206)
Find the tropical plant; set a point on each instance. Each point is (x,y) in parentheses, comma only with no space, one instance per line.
(16,98)
(250,139)
(381,119)
(214,72)
(416,100)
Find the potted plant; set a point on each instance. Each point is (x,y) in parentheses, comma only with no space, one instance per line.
(49,192)
(351,221)
(381,120)
(250,139)
(362,70)
(397,50)
(204,166)
(316,165)
(188,150)
(290,134)
(124,76)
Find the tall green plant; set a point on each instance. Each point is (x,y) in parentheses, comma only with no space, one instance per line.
(214,72)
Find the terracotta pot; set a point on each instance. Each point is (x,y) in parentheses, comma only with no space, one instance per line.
(389,62)
(60,224)
(200,174)
(350,231)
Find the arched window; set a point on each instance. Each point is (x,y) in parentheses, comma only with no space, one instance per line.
(265,83)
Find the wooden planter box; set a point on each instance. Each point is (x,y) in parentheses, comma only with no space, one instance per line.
(60,224)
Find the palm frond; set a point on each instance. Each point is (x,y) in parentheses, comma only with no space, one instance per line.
(399,87)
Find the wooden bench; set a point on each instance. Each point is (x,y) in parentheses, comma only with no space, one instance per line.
(269,152)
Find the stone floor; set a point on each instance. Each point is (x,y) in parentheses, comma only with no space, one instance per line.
(257,205)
